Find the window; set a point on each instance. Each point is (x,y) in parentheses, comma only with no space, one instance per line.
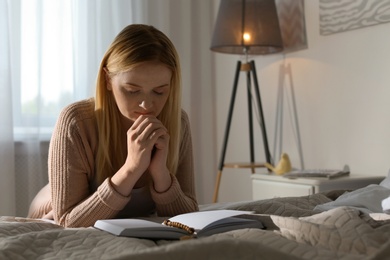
(46,66)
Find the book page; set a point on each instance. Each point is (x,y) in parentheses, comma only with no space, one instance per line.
(133,223)
(198,220)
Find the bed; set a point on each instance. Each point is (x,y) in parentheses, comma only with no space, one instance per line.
(295,229)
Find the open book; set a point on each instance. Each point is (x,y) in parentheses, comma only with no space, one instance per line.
(202,223)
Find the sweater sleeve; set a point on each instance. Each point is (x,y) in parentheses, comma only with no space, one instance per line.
(180,197)
(71,169)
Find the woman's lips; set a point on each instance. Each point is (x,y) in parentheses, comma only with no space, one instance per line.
(144,114)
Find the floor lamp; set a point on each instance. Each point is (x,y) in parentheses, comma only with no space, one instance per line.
(246,27)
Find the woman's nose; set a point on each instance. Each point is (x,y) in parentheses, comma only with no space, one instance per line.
(145,104)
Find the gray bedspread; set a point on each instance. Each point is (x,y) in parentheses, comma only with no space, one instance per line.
(294,231)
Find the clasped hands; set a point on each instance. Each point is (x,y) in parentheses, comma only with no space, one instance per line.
(147,151)
(147,145)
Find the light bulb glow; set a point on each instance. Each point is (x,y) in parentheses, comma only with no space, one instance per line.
(246,37)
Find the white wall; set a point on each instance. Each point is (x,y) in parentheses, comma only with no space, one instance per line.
(342,91)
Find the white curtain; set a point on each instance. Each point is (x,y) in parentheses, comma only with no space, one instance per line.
(7,176)
(50,51)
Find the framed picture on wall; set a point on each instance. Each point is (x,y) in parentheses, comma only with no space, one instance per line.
(344,15)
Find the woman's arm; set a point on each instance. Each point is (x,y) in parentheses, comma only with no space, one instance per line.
(71,171)
(180,197)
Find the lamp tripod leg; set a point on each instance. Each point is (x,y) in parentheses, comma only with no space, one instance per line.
(261,115)
(216,189)
(227,131)
(250,121)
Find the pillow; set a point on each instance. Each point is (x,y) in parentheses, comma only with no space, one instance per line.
(386,182)
(368,199)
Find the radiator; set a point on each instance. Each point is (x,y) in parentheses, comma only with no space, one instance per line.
(30,172)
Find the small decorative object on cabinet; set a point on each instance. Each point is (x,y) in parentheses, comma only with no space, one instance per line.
(267,186)
(283,166)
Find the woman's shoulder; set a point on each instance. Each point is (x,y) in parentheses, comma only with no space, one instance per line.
(78,111)
(185,122)
(184,117)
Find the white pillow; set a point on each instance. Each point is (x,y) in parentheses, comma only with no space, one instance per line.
(368,199)
(386,182)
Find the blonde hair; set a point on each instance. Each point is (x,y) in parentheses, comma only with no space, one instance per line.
(134,45)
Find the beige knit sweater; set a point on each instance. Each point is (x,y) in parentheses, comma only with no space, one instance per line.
(74,199)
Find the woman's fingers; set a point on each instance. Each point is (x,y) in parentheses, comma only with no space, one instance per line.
(146,134)
(146,128)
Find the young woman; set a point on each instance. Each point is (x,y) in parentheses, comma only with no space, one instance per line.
(128,151)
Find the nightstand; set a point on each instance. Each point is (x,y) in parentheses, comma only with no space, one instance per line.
(266,186)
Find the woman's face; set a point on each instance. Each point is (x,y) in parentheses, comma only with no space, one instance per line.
(142,90)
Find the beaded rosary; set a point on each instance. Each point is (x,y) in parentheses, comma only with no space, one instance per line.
(169,223)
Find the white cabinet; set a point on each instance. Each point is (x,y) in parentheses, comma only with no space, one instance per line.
(266,186)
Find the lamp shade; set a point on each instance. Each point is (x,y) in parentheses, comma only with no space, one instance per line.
(250,26)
